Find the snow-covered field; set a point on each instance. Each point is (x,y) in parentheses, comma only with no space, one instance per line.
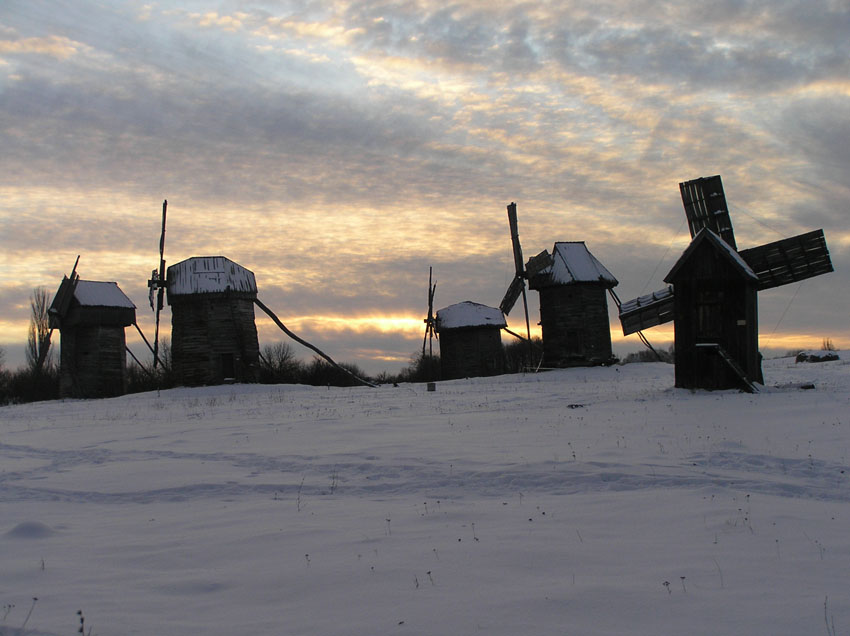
(582,501)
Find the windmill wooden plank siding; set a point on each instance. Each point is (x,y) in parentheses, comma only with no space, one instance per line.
(716,309)
(91,317)
(213,333)
(574,307)
(574,321)
(92,362)
(470,340)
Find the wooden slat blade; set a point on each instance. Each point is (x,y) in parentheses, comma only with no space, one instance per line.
(62,301)
(512,221)
(647,311)
(705,206)
(538,263)
(512,295)
(789,260)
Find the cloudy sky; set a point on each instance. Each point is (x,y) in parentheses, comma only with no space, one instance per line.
(339,148)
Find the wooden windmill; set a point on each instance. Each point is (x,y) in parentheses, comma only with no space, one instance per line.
(91,317)
(213,331)
(470,340)
(712,297)
(572,285)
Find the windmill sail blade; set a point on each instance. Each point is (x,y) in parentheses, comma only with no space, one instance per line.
(519,281)
(61,302)
(512,295)
(518,261)
(429,320)
(537,264)
(152,288)
(705,206)
(647,311)
(160,284)
(156,342)
(424,340)
(789,260)
(162,241)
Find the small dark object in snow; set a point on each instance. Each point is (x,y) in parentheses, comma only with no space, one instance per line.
(575,406)
(817,356)
(807,387)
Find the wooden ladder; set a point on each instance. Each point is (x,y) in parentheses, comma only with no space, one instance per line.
(749,387)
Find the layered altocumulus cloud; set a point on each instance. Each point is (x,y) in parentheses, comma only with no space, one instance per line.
(340,148)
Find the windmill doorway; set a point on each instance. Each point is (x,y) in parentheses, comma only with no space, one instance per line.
(228,366)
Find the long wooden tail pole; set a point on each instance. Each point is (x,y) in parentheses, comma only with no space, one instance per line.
(283,328)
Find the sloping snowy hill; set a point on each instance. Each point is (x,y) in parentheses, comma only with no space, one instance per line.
(582,501)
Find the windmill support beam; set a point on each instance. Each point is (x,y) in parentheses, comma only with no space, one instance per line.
(516,335)
(139,329)
(141,366)
(301,341)
(523,338)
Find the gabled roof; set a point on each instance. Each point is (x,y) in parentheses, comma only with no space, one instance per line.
(90,293)
(572,263)
(707,236)
(89,302)
(469,314)
(209,275)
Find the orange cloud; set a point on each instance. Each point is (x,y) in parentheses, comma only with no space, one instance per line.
(55,46)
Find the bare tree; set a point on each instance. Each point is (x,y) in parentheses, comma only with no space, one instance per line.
(278,364)
(38,339)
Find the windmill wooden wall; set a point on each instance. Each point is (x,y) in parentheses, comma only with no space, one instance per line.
(716,312)
(574,322)
(470,341)
(574,307)
(91,317)
(213,333)
(92,362)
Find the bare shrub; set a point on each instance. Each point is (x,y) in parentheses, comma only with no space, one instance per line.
(278,364)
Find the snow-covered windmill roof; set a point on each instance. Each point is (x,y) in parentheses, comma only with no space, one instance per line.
(722,246)
(89,302)
(90,293)
(572,263)
(469,314)
(209,275)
